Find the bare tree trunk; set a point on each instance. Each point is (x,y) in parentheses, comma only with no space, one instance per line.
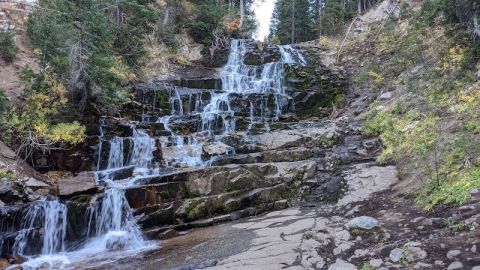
(317,15)
(167,16)
(359,7)
(293,21)
(242,13)
(476,25)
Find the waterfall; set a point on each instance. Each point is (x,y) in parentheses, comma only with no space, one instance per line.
(51,215)
(291,55)
(115,155)
(141,153)
(112,224)
(112,219)
(242,79)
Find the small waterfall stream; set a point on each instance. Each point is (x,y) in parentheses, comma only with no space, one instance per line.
(111,222)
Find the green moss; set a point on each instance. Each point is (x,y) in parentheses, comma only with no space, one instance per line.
(162,102)
(6,175)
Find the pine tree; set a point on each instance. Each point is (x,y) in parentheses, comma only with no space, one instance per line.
(292,21)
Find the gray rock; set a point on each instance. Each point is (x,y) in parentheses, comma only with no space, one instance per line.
(474,191)
(34,183)
(414,254)
(376,263)
(476,267)
(342,248)
(412,244)
(386,96)
(363,222)
(396,255)
(453,253)
(84,182)
(341,265)
(2,203)
(421,265)
(473,249)
(455,265)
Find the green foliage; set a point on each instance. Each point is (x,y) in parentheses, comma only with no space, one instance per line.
(292,22)
(4,104)
(455,11)
(457,174)
(32,126)
(367,266)
(8,48)
(208,19)
(6,175)
(403,133)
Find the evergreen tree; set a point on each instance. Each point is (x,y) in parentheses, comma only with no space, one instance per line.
(292,21)
(92,46)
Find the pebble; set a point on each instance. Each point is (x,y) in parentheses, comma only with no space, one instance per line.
(455,265)
(453,253)
(474,249)
(474,191)
(476,267)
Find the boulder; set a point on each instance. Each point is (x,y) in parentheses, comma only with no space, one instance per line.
(455,265)
(363,222)
(84,182)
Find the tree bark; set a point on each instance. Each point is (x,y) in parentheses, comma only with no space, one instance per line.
(293,21)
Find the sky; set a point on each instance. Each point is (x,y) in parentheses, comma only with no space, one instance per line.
(263,11)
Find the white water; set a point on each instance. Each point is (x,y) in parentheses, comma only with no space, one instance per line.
(51,215)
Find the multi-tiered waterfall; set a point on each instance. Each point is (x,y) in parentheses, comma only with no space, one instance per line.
(261,86)
(250,95)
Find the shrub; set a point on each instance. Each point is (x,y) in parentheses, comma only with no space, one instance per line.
(33,126)
(8,48)
(4,106)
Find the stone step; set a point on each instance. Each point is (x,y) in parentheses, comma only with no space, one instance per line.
(286,155)
(203,207)
(116,174)
(140,197)
(175,176)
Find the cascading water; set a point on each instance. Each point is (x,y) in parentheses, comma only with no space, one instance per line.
(111,221)
(51,215)
(216,108)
